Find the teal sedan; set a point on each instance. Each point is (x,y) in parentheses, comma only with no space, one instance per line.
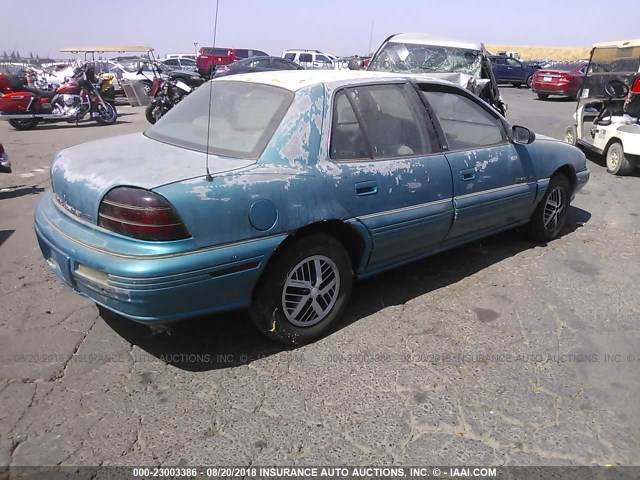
(275,191)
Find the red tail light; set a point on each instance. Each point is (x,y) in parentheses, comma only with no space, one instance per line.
(142,214)
(635,88)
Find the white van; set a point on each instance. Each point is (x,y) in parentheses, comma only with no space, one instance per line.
(310,59)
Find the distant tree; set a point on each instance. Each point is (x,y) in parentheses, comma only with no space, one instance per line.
(13,56)
(30,56)
(5,55)
(18,56)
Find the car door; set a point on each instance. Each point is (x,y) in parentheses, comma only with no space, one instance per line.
(515,71)
(499,69)
(493,186)
(391,174)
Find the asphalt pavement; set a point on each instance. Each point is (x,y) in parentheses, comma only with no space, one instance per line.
(503,352)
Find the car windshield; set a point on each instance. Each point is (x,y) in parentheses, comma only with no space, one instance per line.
(407,57)
(614,60)
(238,118)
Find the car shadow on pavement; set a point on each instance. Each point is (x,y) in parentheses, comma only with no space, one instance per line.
(4,235)
(229,339)
(20,192)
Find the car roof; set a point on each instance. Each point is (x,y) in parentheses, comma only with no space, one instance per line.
(295,80)
(427,39)
(618,43)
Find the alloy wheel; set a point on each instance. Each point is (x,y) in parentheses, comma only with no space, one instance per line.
(310,290)
(554,208)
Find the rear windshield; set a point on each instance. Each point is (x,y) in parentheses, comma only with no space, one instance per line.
(563,66)
(220,52)
(240,122)
(413,58)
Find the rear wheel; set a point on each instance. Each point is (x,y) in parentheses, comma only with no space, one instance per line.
(153,112)
(516,84)
(550,215)
(529,80)
(304,290)
(617,161)
(543,96)
(24,124)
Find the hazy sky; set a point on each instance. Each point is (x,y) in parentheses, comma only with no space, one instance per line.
(338,27)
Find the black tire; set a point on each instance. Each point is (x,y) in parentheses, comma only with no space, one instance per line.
(571,135)
(617,161)
(550,216)
(26,124)
(529,81)
(516,84)
(107,115)
(147,88)
(150,113)
(284,321)
(543,96)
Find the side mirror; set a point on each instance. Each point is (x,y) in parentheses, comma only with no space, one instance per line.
(356,64)
(522,135)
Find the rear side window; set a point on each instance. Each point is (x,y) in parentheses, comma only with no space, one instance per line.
(306,57)
(242,53)
(290,56)
(258,53)
(347,140)
(388,121)
(233,119)
(465,123)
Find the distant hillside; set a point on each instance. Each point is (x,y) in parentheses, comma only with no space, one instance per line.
(538,53)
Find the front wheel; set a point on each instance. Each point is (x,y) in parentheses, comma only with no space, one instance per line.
(304,290)
(107,114)
(570,135)
(617,161)
(24,124)
(550,215)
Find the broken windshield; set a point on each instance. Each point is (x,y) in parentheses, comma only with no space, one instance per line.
(412,58)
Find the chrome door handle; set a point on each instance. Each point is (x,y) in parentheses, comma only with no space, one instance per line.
(366,188)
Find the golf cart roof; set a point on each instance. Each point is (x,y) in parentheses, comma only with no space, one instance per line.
(618,44)
(426,39)
(114,48)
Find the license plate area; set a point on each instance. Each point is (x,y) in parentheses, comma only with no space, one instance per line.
(546,79)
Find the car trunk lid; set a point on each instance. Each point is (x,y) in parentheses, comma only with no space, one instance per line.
(82,175)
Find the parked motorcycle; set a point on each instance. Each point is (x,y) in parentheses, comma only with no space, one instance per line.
(165,94)
(24,107)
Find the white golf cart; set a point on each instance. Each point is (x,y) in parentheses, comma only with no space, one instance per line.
(607,118)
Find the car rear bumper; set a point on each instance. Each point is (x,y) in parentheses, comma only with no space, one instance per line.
(156,288)
(554,89)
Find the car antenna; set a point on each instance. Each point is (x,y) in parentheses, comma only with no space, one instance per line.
(208,177)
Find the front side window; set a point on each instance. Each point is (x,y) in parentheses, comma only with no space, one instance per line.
(465,123)
(290,56)
(227,118)
(513,63)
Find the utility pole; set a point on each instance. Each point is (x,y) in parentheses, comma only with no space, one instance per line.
(195,47)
